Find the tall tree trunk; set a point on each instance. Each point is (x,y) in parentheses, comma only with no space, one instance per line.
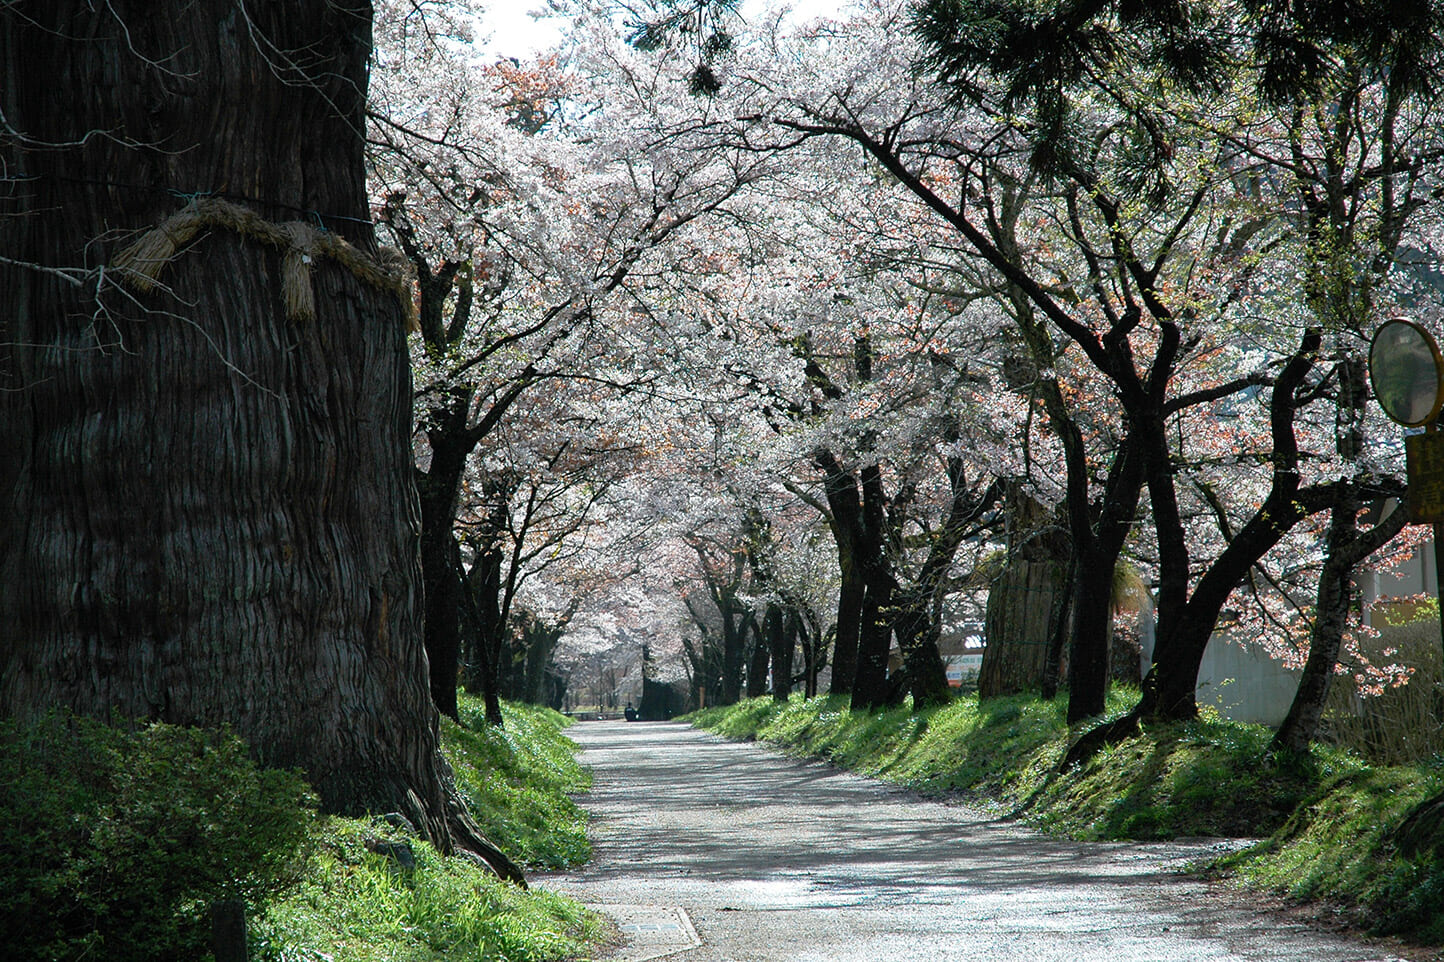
(784,648)
(1331,611)
(1097,549)
(851,593)
(440,567)
(541,644)
(210,517)
(924,675)
(1184,627)
(734,643)
(761,658)
(869,688)
(813,654)
(845,521)
(917,618)
(1347,548)
(1062,629)
(1019,624)
(481,588)
(1092,605)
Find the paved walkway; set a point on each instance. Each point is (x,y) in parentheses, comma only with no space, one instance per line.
(773,859)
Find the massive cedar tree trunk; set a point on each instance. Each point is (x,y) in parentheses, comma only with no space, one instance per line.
(209,515)
(1020,626)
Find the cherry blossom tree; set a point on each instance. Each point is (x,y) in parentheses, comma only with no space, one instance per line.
(526,199)
(1342,169)
(1140,254)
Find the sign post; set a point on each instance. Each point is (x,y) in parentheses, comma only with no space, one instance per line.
(1407,375)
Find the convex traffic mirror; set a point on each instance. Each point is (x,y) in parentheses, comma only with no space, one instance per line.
(1405,371)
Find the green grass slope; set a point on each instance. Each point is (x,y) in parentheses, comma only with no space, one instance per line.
(357,906)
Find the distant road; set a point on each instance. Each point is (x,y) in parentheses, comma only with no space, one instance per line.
(776,860)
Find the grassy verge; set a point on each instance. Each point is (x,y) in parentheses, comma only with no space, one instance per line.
(357,906)
(519,781)
(1327,819)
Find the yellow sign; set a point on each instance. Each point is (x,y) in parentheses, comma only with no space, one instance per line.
(1425,465)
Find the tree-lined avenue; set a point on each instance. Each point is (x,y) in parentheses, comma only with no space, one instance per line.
(775,858)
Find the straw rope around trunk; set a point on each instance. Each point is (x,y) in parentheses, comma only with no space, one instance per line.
(141,263)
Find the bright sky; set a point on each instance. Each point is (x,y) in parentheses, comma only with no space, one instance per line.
(515,33)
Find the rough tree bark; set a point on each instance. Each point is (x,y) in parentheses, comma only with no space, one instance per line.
(1186,620)
(760,658)
(485,628)
(1020,626)
(783,639)
(917,618)
(845,521)
(487,597)
(209,515)
(540,639)
(440,564)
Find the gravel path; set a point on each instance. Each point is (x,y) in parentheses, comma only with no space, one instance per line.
(775,859)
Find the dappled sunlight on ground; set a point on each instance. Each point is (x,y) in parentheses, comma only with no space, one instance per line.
(778,859)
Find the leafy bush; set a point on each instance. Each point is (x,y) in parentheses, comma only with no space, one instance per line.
(114,843)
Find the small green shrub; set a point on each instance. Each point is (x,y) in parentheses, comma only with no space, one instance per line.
(114,843)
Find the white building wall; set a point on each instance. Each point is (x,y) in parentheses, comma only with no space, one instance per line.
(1243,683)
(1236,678)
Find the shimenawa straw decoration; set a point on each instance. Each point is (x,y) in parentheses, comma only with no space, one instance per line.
(141,263)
